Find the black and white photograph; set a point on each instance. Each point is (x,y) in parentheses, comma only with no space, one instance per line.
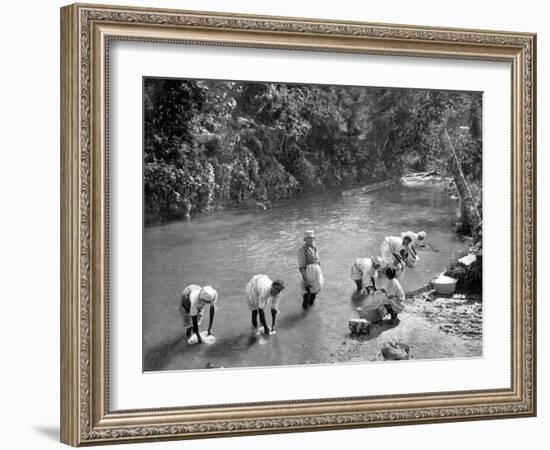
(293,224)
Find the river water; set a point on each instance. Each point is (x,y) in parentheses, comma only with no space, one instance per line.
(225,249)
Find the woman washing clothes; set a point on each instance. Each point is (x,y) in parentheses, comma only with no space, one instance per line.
(416,240)
(395,251)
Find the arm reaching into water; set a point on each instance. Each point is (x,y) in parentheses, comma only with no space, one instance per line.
(273,317)
(262,320)
(196,328)
(212,311)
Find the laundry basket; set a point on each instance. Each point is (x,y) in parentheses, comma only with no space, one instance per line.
(445,285)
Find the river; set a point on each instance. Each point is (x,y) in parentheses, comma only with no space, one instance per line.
(225,249)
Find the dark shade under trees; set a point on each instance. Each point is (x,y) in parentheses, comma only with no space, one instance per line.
(213,144)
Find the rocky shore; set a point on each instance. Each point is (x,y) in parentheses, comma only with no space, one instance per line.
(432,326)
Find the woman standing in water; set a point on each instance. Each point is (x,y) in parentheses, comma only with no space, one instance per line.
(310,269)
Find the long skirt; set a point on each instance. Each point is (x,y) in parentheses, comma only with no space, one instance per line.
(314,277)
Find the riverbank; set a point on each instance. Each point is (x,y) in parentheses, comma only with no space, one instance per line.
(433,326)
(257,206)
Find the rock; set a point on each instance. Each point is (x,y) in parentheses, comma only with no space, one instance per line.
(468,260)
(395,351)
(359,326)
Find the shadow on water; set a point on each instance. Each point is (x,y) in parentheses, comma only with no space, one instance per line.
(160,355)
(291,320)
(241,341)
(244,341)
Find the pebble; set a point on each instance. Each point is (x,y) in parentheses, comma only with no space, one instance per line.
(395,350)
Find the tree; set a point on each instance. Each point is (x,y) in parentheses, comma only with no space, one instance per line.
(212,143)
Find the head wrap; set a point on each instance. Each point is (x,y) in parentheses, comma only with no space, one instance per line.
(309,234)
(208,294)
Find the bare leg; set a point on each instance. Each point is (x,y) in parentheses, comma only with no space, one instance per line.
(305,303)
(262,321)
(312,299)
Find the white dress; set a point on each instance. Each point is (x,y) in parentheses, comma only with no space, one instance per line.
(389,246)
(362,269)
(258,292)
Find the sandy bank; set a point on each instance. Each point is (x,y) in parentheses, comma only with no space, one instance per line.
(433,326)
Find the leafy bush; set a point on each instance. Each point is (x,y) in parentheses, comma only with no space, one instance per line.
(209,144)
(469,277)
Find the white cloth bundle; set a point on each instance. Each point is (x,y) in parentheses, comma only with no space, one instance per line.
(205,338)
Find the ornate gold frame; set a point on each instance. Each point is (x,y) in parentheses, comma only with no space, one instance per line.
(86,31)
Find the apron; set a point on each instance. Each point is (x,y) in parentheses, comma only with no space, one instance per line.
(315,279)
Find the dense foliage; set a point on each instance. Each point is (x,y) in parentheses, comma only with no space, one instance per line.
(469,278)
(209,144)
